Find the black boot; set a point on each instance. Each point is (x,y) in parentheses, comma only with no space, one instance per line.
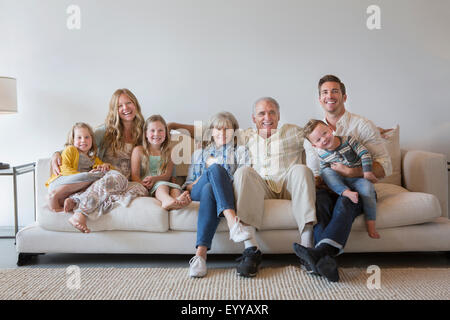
(319,260)
(308,257)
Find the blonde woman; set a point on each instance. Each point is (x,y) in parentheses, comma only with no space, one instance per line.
(151,165)
(116,138)
(210,181)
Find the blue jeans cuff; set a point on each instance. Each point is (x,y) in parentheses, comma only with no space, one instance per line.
(222,209)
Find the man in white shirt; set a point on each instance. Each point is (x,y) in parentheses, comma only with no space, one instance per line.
(276,172)
(335,216)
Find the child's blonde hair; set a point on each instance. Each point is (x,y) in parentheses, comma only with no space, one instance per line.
(71,137)
(219,121)
(165,146)
(310,126)
(114,138)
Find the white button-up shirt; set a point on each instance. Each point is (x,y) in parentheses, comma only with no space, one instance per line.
(364,131)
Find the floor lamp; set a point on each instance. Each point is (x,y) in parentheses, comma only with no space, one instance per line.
(8,101)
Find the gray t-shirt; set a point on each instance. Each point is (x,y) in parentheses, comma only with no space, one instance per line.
(85,163)
(121,160)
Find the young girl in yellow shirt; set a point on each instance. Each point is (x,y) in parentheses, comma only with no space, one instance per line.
(80,167)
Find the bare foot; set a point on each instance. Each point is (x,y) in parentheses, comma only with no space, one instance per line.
(371,229)
(69,204)
(374,235)
(184,198)
(172,204)
(352,195)
(78,220)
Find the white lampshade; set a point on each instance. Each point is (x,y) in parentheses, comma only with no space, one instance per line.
(8,95)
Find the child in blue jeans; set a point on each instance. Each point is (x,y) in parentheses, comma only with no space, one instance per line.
(348,151)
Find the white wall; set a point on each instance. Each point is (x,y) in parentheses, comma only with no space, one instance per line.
(187,59)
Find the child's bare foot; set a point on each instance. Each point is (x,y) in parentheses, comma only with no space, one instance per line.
(352,195)
(374,235)
(78,220)
(184,198)
(69,204)
(171,204)
(371,230)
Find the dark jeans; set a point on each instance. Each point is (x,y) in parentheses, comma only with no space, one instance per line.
(335,216)
(214,190)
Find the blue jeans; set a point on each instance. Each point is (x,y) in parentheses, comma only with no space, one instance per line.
(335,216)
(364,187)
(214,190)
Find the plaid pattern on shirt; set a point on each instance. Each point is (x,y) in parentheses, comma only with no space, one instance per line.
(273,157)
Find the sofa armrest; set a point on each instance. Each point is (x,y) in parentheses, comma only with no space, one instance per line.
(426,172)
(42,175)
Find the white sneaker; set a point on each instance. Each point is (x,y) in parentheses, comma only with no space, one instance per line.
(239,233)
(198,267)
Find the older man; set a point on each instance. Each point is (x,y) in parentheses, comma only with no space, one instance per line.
(276,172)
(335,215)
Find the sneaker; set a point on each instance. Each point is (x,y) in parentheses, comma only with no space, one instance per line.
(249,262)
(197,267)
(239,233)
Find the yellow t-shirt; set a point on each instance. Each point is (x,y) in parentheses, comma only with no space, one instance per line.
(69,158)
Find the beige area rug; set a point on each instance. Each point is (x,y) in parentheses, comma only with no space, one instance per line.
(283,283)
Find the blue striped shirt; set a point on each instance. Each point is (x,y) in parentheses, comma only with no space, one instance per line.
(351,153)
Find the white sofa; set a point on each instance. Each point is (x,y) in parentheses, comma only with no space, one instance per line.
(411,217)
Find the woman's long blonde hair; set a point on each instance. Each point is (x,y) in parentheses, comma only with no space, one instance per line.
(165,146)
(92,153)
(114,135)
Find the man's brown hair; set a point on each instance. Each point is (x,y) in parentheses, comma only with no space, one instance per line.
(331,78)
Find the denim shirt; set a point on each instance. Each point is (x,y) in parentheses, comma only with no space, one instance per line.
(227,156)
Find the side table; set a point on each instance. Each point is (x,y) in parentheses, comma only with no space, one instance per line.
(14,172)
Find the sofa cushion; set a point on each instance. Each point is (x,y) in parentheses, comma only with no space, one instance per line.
(277,216)
(396,206)
(182,146)
(392,142)
(143,214)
